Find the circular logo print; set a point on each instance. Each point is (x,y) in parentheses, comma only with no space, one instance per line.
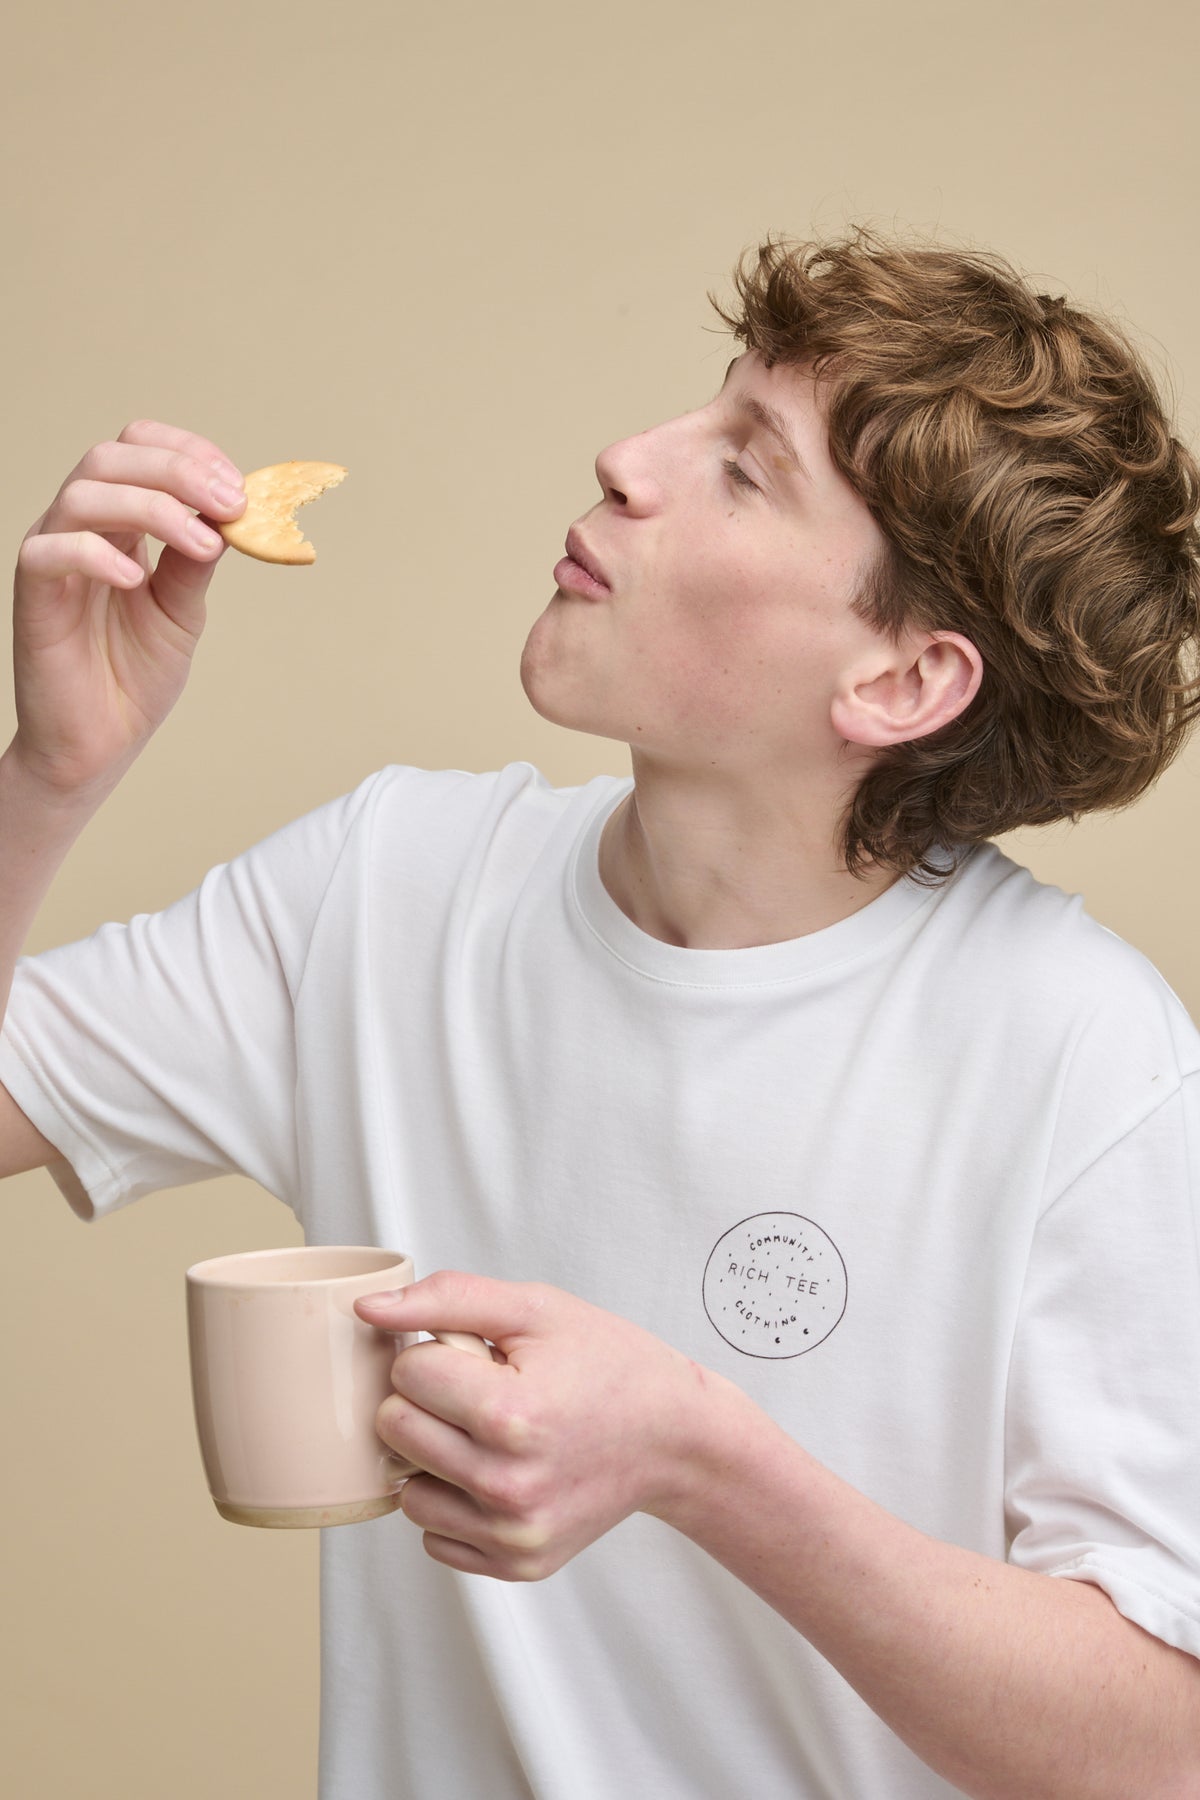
(775,1285)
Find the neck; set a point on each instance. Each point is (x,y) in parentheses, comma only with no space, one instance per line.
(715,863)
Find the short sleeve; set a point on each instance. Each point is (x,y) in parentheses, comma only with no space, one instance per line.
(162,1052)
(1103,1429)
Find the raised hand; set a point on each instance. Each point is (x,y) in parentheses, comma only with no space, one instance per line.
(103,641)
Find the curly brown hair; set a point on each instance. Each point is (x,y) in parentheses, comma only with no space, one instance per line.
(1018,460)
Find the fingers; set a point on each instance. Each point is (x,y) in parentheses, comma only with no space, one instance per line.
(480,1539)
(179,585)
(455,1414)
(133,512)
(461,1534)
(172,437)
(165,456)
(422,1438)
(455,1555)
(50,558)
(155,480)
(505,1311)
(462,1491)
(130,490)
(464,1390)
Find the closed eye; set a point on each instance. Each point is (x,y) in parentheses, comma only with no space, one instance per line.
(736,473)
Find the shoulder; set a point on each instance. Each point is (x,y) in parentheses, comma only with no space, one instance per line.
(1066,994)
(1045,941)
(459,804)
(436,829)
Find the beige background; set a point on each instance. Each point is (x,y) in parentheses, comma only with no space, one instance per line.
(457,249)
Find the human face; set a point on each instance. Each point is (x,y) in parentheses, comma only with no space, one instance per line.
(729,548)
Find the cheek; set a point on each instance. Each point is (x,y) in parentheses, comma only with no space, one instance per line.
(735,631)
(716,673)
(751,665)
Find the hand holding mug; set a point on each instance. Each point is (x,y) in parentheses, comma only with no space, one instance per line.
(585,1419)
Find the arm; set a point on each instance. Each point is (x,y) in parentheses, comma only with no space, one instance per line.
(1012,1685)
(102,646)
(36,832)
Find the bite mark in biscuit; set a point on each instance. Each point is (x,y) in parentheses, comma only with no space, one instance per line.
(267,529)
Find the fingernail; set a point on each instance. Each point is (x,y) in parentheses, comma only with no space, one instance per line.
(225,494)
(202,537)
(228,473)
(382,1300)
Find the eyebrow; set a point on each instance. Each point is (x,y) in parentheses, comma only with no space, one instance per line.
(772,421)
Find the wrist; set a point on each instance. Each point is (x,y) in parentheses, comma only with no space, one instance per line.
(35,797)
(719,1435)
(37,829)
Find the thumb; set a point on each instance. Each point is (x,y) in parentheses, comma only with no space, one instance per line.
(180,582)
(450,1301)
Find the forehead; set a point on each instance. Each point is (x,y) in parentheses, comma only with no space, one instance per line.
(785,403)
(786,386)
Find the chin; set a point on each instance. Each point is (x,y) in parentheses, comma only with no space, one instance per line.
(542,678)
(557,685)
(534,677)
(553,701)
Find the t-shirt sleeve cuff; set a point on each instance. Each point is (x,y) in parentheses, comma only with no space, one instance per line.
(88,1182)
(1164,1616)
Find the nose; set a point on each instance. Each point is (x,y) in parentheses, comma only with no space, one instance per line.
(611,473)
(630,471)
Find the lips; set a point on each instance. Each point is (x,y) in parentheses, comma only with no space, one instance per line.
(579,553)
(579,571)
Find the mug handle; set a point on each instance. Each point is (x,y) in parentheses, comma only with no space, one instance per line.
(457,1340)
(465,1340)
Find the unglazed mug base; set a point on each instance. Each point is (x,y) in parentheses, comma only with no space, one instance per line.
(352,1512)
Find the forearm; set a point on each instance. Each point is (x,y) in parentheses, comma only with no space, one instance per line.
(37,829)
(1010,1685)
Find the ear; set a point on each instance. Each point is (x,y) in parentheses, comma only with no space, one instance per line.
(907,690)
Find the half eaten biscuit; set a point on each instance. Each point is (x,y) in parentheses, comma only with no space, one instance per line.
(267,529)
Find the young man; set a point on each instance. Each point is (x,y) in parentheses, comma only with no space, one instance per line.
(827,1183)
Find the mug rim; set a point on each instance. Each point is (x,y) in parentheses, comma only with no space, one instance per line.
(214,1271)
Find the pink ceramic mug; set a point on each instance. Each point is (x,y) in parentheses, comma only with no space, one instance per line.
(287,1380)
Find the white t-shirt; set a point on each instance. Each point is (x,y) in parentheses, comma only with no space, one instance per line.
(923,1183)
